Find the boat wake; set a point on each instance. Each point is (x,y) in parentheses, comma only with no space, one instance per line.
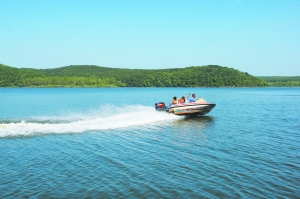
(106,117)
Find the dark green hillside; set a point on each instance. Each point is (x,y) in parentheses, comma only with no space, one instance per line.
(213,76)
(25,77)
(78,70)
(195,76)
(95,76)
(124,75)
(281,80)
(10,77)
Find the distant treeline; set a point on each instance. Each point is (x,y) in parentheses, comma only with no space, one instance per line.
(96,76)
(281,81)
(65,81)
(14,77)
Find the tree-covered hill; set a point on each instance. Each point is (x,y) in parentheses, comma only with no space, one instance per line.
(200,76)
(10,77)
(96,76)
(285,81)
(26,77)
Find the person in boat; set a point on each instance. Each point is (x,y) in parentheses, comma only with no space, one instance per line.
(174,101)
(193,99)
(184,99)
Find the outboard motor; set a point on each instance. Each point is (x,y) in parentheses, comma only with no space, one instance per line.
(160,106)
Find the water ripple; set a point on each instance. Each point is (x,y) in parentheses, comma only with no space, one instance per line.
(244,149)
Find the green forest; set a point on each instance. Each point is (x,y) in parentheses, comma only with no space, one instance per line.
(281,81)
(97,76)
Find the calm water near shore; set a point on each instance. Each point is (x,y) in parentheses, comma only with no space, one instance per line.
(111,143)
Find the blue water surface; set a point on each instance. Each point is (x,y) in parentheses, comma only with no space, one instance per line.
(111,143)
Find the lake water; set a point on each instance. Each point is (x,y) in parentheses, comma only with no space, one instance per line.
(111,143)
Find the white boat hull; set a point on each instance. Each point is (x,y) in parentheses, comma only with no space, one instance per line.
(200,107)
(192,109)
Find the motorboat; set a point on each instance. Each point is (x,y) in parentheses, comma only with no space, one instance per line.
(200,107)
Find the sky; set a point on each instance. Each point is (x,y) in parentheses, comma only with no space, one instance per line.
(261,37)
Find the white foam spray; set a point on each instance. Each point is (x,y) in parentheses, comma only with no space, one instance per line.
(106,117)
